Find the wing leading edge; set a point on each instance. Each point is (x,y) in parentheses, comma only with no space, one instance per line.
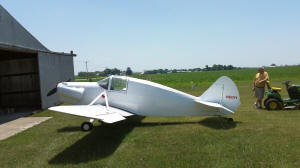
(94,111)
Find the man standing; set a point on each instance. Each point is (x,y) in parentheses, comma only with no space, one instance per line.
(259,86)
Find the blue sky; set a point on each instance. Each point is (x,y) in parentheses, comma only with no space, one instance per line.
(151,34)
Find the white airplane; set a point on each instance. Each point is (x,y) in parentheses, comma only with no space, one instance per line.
(116,97)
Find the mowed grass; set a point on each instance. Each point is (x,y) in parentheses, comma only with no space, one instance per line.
(182,81)
(256,138)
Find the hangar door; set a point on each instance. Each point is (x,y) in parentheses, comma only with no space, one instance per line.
(19,80)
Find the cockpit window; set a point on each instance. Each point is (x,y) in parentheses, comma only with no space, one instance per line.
(104,83)
(118,83)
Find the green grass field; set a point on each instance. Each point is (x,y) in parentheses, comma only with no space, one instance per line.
(256,138)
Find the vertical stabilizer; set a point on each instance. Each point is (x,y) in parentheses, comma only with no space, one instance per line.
(223,92)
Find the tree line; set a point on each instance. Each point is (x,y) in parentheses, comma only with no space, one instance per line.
(128,71)
(106,72)
(215,67)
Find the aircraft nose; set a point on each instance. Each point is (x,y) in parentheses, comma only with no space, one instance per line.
(71,92)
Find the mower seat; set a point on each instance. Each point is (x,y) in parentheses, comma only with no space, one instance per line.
(276,89)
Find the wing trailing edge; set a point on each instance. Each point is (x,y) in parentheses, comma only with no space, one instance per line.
(94,111)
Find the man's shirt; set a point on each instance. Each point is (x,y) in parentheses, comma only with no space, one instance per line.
(259,77)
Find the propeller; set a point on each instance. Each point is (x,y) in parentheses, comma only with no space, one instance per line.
(54,90)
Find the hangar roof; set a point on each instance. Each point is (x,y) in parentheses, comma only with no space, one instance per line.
(13,36)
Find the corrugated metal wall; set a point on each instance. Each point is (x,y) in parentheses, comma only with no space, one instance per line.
(53,68)
(26,78)
(19,80)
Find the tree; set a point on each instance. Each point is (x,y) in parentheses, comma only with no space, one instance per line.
(107,71)
(128,71)
(115,71)
(230,67)
(87,74)
(161,71)
(207,68)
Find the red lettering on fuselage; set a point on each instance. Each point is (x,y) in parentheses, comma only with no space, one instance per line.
(231,97)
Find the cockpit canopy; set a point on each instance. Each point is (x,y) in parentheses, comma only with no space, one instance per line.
(118,83)
(104,83)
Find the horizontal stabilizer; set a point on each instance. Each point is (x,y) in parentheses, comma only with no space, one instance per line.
(221,108)
(95,111)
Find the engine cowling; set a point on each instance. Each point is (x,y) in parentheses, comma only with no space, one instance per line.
(69,94)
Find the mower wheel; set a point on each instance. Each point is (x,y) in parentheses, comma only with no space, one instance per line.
(265,102)
(273,104)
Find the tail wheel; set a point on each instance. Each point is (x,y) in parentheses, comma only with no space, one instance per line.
(86,126)
(273,104)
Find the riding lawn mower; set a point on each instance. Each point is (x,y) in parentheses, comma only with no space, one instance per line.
(274,100)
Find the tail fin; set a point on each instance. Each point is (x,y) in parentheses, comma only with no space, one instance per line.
(223,94)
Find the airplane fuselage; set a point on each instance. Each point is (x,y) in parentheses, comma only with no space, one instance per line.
(135,96)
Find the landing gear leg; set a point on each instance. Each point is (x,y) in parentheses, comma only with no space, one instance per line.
(86,126)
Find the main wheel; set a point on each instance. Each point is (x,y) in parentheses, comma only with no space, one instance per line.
(86,126)
(273,104)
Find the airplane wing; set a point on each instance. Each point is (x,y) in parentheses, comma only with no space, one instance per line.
(94,111)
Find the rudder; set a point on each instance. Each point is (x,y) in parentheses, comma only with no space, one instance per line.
(223,92)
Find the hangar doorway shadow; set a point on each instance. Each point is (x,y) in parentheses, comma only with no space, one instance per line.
(101,142)
(6,117)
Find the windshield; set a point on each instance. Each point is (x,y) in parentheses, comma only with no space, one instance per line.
(118,83)
(104,83)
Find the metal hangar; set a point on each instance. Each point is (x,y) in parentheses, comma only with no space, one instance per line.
(28,70)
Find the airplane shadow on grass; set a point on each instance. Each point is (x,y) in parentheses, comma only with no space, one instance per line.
(101,142)
(219,123)
(104,140)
